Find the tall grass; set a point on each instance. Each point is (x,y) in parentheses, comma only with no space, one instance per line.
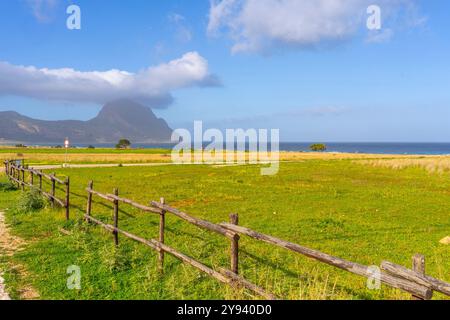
(432,165)
(29,201)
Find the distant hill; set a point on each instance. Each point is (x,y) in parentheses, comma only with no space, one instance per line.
(118,119)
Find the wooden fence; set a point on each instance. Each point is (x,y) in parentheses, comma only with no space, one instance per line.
(414,281)
(223,275)
(24,177)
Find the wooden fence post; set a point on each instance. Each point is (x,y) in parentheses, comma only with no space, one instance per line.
(89,201)
(116,217)
(67,198)
(32,179)
(40,182)
(23,178)
(162,224)
(234,252)
(18,177)
(418,265)
(52,200)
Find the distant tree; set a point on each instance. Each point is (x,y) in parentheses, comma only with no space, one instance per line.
(318,147)
(123,144)
(20,145)
(91,146)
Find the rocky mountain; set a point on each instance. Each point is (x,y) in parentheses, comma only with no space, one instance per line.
(116,120)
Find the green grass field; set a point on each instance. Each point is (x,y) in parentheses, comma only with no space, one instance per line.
(359,212)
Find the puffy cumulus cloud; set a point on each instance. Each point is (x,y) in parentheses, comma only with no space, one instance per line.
(152,86)
(267,25)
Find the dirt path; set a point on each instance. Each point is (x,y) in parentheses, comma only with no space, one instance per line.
(10,244)
(112,165)
(3,294)
(99,165)
(4,243)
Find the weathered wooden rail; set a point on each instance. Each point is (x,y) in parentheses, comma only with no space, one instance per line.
(418,275)
(413,281)
(18,174)
(417,289)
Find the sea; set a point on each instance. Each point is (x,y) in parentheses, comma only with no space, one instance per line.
(416,148)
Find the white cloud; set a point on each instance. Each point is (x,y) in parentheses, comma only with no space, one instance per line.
(152,85)
(183,32)
(42,9)
(267,25)
(220,11)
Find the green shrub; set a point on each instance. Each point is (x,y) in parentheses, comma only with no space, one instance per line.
(318,147)
(30,201)
(123,144)
(7,186)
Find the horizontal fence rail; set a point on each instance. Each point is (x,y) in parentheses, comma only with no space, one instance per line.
(417,277)
(195,221)
(355,268)
(413,281)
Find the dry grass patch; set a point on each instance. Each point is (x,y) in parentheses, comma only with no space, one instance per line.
(87,158)
(142,156)
(435,164)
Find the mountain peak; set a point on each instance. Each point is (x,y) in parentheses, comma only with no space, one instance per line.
(118,119)
(125,108)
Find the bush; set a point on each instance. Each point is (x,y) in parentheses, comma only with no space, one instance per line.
(123,144)
(318,147)
(30,201)
(91,147)
(7,186)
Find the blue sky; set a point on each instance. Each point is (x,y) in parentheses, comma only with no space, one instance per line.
(252,70)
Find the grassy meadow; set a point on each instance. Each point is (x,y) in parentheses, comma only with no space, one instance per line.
(54,156)
(351,209)
(50,156)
